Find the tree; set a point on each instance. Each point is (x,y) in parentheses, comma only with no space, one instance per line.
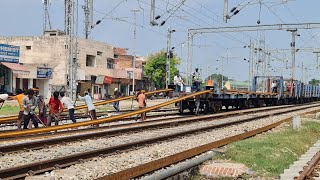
(155,68)
(217,78)
(314,82)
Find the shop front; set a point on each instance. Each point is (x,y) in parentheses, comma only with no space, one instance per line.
(9,72)
(38,76)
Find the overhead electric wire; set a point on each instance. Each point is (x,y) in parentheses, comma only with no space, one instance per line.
(289,10)
(107,14)
(224,34)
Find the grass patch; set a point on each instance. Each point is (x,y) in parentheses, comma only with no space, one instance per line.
(9,110)
(268,155)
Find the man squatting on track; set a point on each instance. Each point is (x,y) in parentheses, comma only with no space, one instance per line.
(87,99)
(67,102)
(29,104)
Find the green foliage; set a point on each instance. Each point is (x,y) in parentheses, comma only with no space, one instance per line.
(9,109)
(155,69)
(270,154)
(314,82)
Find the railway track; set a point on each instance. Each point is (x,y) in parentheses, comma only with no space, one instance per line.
(166,122)
(116,129)
(312,171)
(66,161)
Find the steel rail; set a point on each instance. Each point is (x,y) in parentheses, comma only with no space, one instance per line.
(77,131)
(307,171)
(10,118)
(124,119)
(99,114)
(169,160)
(98,121)
(47,165)
(126,128)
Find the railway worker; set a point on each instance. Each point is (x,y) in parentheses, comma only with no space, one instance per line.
(197,102)
(41,105)
(177,81)
(3,98)
(117,94)
(87,99)
(196,79)
(55,109)
(19,97)
(274,87)
(29,104)
(142,103)
(67,102)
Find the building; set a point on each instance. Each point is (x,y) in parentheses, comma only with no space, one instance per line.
(123,78)
(43,64)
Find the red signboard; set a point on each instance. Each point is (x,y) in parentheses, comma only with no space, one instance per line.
(107,80)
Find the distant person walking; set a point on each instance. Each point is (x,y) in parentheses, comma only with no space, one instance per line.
(142,103)
(29,104)
(67,102)
(117,94)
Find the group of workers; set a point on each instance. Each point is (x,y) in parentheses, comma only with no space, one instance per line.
(30,100)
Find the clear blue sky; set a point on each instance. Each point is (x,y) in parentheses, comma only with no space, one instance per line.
(25,18)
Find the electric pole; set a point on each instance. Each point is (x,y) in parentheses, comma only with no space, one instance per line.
(71,45)
(152,13)
(134,48)
(293,54)
(317,55)
(88,8)
(168,56)
(46,17)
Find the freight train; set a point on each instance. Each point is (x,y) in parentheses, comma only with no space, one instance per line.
(260,94)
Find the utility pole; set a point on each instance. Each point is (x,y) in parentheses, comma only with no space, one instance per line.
(302,77)
(46,17)
(293,53)
(317,55)
(152,13)
(169,32)
(225,11)
(71,53)
(250,61)
(189,61)
(135,11)
(88,7)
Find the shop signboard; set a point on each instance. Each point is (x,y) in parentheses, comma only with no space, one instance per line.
(9,53)
(107,80)
(43,72)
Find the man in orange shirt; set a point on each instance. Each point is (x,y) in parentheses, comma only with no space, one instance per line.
(142,103)
(19,97)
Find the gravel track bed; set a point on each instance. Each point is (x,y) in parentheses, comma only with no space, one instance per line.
(21,158)
(98,167)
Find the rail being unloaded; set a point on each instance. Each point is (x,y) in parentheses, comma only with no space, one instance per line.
(13,118)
